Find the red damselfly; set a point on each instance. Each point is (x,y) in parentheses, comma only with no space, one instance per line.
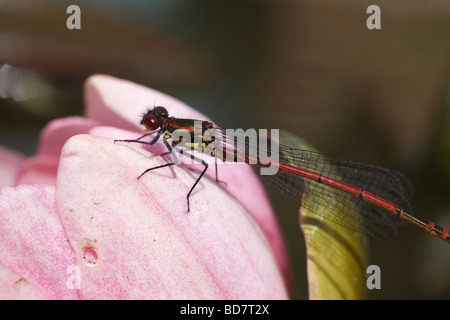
(367,198)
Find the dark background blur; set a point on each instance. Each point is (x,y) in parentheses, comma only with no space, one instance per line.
(310,67)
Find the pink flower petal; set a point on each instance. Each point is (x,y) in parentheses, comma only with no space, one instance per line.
(133,238)
(119,102)
(10,162)
(39,169)
(58,131)
(15,287)
(42,168)
(32,241)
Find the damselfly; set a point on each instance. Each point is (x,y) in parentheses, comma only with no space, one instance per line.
(363,197)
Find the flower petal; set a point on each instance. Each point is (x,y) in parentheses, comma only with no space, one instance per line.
(15,287)
(39,169)
(121,103)
(133,238)
(42,167)
(32,241)
(58,131)
(10,162)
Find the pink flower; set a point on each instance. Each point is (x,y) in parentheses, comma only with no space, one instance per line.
(76,223)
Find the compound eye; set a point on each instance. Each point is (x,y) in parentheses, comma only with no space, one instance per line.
(150,122)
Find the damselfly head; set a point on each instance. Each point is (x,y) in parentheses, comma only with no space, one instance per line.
(154,118)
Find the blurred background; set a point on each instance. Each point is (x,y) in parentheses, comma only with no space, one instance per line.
(309,66)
